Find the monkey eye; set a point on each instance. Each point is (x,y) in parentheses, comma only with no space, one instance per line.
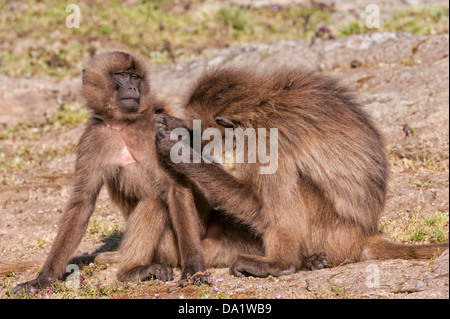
(120,74)
(135,76)
(225,122)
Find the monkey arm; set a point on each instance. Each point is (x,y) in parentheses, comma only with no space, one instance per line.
(87,183)
(223,190)
(73,226)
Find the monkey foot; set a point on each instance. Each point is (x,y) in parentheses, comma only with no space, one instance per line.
(31,286)
(259,267)
(317,261)
(148,272)
(197,279)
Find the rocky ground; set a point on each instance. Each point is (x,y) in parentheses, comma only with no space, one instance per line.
(401,79)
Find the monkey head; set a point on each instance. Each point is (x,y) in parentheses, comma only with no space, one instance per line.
(115,86)
(229,98)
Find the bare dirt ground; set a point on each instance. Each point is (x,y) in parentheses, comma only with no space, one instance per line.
(401,79)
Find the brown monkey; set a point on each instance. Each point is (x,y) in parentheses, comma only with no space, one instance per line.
(329,189)
(117,149)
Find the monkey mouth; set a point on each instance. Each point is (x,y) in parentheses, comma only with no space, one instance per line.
(129,104)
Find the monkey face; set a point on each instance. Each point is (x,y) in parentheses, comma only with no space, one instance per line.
(226,98)
(115,86)
(128,85)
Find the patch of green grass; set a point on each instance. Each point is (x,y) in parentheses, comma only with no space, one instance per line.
(40,42)
(86,289)
(419,163)
(22,156)
(35,39)
(337,291)
(68,116)
(421,20)
(353,27)
(414,228)
(234,17)
(19,128)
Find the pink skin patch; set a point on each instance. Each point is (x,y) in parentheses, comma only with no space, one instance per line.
(125,157)
(116,126)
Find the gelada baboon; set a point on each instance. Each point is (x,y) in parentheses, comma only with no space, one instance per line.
(324,201)
(117,148)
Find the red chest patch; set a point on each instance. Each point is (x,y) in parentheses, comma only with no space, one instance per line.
(125,157)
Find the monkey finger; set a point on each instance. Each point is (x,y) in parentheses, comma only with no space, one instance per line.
(161,137)
(161,119)
(20,289)
(201,278)
(183,283)
(161,127)
(197,279)
(159,271)
(163,143)
(31,286)
(317,261)
(169,121)
(147,272)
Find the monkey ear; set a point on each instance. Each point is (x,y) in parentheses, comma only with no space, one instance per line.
(226,122)
(94,78)
(218,96)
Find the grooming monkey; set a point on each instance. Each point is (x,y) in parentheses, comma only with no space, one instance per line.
(117,149)
(324,201)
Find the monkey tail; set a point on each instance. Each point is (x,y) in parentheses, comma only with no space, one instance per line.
(112,257)
(379,247)
(109,257)
(18,267)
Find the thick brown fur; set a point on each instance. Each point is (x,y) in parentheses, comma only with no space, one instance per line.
(162,225)
(330,187)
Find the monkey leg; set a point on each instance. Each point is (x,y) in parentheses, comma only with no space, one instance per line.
(186,223)
(221,245)
(282,244)
(259,267)
(263,267)
(281,254)
(144,229)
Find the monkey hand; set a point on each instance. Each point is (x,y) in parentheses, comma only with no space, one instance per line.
(164,144)
(317,261)
(200,277)
(166,122)
(39,283)
(146,272)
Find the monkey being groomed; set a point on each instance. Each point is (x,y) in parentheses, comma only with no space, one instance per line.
(164,227)
(324,202)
